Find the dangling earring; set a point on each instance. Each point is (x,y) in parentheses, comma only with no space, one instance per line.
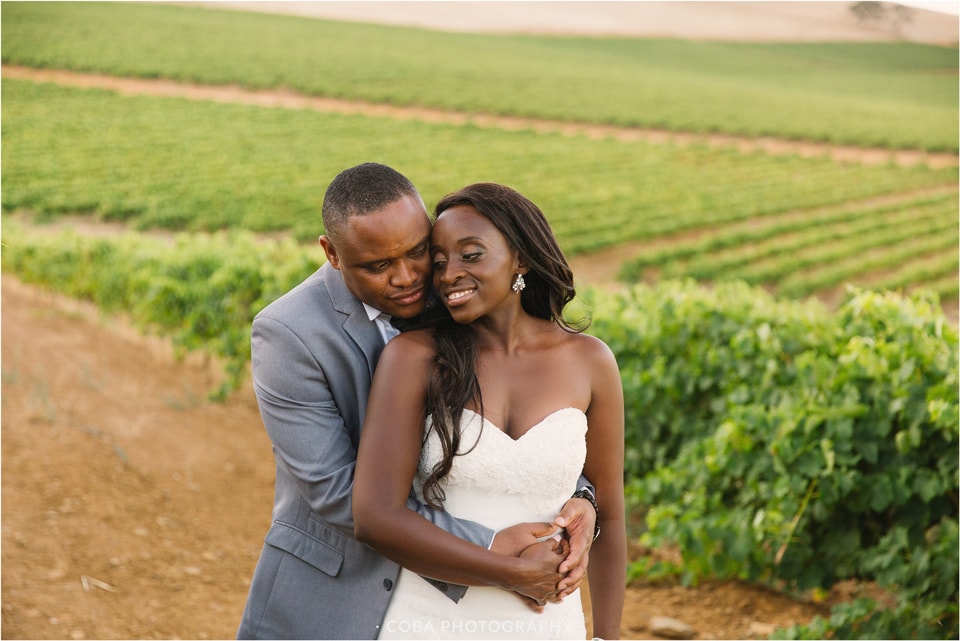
(518,283)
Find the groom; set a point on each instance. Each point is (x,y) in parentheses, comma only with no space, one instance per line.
(313,355)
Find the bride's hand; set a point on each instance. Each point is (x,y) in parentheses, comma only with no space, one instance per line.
(548,554)
(515,539)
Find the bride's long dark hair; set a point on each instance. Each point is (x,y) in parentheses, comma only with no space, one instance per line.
(549,287)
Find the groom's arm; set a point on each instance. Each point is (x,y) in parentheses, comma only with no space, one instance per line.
(306,428)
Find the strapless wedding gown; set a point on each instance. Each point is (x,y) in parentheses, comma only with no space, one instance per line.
(498,483)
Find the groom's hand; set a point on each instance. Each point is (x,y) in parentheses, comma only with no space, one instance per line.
(578,518)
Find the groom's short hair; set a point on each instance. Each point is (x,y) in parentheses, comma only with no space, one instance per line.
(363,189)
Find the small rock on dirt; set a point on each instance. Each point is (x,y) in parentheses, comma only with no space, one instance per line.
(671,628)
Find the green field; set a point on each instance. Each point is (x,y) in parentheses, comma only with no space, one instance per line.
(887,95)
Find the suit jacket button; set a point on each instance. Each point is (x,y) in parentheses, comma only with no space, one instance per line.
(442,587)
(387,585)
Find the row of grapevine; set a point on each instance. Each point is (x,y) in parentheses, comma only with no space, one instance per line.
(869,94)
(802,253)
(939,242)
(722,248)
(200,290)
(715,239)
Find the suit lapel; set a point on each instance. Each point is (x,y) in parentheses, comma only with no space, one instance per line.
(355,321)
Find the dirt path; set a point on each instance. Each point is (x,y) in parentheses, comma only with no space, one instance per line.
(133,508)
(292,100)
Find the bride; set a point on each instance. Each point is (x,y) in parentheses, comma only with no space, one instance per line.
(517,405)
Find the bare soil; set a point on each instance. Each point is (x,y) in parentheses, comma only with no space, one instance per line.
(133,508)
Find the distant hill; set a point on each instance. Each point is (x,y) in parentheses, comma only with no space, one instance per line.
(745,21)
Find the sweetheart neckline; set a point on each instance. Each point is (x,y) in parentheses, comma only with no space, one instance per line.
(529,429)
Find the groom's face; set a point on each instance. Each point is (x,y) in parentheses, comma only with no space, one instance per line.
(384,257)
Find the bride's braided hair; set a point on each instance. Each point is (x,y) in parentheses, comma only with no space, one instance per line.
(453,383)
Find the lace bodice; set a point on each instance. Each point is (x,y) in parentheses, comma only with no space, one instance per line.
(503,481)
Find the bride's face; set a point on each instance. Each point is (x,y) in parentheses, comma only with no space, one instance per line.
(473,265)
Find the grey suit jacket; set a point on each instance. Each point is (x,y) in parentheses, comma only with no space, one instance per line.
(313,355)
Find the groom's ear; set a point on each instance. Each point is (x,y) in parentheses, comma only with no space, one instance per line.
(332,257)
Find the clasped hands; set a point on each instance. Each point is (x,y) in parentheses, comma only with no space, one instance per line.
(555,554)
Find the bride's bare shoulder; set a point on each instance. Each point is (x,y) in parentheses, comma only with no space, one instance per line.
(590,348)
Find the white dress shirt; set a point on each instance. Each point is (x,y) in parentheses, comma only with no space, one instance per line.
(387,330)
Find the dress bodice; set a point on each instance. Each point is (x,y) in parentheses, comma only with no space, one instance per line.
(500,481)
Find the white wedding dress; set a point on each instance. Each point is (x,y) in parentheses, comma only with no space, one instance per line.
(498,483)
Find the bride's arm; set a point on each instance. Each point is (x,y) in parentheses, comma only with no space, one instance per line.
(604,467)
(387,461)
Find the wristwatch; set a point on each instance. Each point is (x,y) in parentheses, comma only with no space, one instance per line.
(585,493)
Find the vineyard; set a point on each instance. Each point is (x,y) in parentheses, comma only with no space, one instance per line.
(795,225)
(790,375)
(835,92)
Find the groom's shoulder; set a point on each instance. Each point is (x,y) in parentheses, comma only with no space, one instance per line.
(307,295)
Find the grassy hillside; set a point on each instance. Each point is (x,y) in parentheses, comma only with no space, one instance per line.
(887,95)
